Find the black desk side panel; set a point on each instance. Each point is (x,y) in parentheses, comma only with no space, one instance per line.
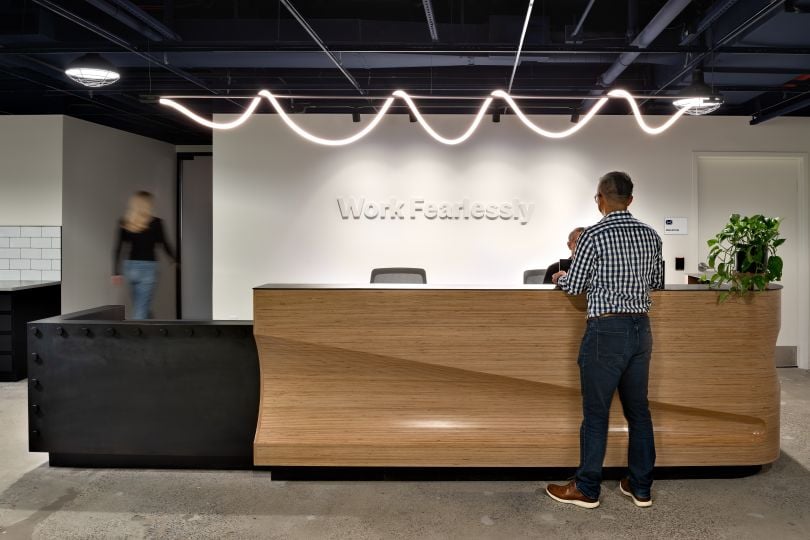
(143,393)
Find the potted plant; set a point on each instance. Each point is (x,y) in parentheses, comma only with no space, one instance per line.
(743,255)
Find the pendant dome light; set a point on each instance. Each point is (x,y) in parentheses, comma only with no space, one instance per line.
(697,98)
(93,71)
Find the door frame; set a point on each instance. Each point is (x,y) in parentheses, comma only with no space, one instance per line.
(178,225)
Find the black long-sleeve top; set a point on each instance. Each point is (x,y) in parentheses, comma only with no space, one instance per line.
(142,244)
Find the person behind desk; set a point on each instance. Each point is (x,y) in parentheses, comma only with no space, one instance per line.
(142,231)
(618,261)
(572,243)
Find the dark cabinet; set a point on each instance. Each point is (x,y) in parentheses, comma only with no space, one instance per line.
(21,303)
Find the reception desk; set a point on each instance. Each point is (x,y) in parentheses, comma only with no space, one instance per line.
(486,376)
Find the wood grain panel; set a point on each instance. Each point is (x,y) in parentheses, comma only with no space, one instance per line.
(430,377)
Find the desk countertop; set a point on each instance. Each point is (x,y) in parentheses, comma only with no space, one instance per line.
(10,286)
(438,287)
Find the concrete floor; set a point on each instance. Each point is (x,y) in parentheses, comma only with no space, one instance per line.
(37,501)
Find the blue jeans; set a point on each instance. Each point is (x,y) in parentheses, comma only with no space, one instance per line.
(142,277)
(615,354)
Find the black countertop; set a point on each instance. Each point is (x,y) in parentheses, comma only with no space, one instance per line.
(10,286)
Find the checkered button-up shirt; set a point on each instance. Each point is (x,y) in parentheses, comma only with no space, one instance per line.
(617,261)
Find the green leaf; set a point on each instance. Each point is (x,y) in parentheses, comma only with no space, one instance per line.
(775,266)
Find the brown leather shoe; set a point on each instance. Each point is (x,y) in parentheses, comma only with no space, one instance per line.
(569,494)
(624,487)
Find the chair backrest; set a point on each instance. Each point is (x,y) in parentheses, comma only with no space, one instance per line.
(399,275)
(534,276)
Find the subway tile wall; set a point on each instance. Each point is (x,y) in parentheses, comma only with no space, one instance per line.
(30,253)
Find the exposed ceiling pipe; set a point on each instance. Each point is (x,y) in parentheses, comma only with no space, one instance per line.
(431,20)
(147,19)
(658,24)
(122,17)
(305,25)
(714,13)
(520,45)
(731,36)
(582,19)
(782,108)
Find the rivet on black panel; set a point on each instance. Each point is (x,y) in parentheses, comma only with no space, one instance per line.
(35,432)
(137,331)
(60,331)
(86,332)
(217,332)
(35,383)
(163,332)
(110,332)
(190,332)
(36,357)
(35,408)
(35,331)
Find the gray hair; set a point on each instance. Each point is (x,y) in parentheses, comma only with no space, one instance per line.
(616,186)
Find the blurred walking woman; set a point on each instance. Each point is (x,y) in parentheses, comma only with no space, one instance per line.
(142,231)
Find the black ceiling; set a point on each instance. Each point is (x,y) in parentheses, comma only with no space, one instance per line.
(755,52)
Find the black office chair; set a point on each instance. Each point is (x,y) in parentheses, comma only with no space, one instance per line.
(534,276)
(399,275)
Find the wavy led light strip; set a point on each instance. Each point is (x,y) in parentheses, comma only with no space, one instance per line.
(319,140)
(411,105)
(422,122)
(213,125)
(637,113)
(545,133)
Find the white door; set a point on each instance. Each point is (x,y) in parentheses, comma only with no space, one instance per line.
(747,184)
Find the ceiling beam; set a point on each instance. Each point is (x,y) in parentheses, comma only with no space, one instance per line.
(711,15)
(520,45)
(584,16)
(147,19)
(410,48)
(782,108)
(431,20)
(309,30)
(126,19)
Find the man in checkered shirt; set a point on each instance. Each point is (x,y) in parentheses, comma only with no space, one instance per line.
(617,262)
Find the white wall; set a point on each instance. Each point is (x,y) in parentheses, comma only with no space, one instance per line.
(31,170)
(102,168)
(276,218)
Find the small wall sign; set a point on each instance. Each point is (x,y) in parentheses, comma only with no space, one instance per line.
(675,225)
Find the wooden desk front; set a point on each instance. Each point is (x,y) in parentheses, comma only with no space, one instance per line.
(422,376)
